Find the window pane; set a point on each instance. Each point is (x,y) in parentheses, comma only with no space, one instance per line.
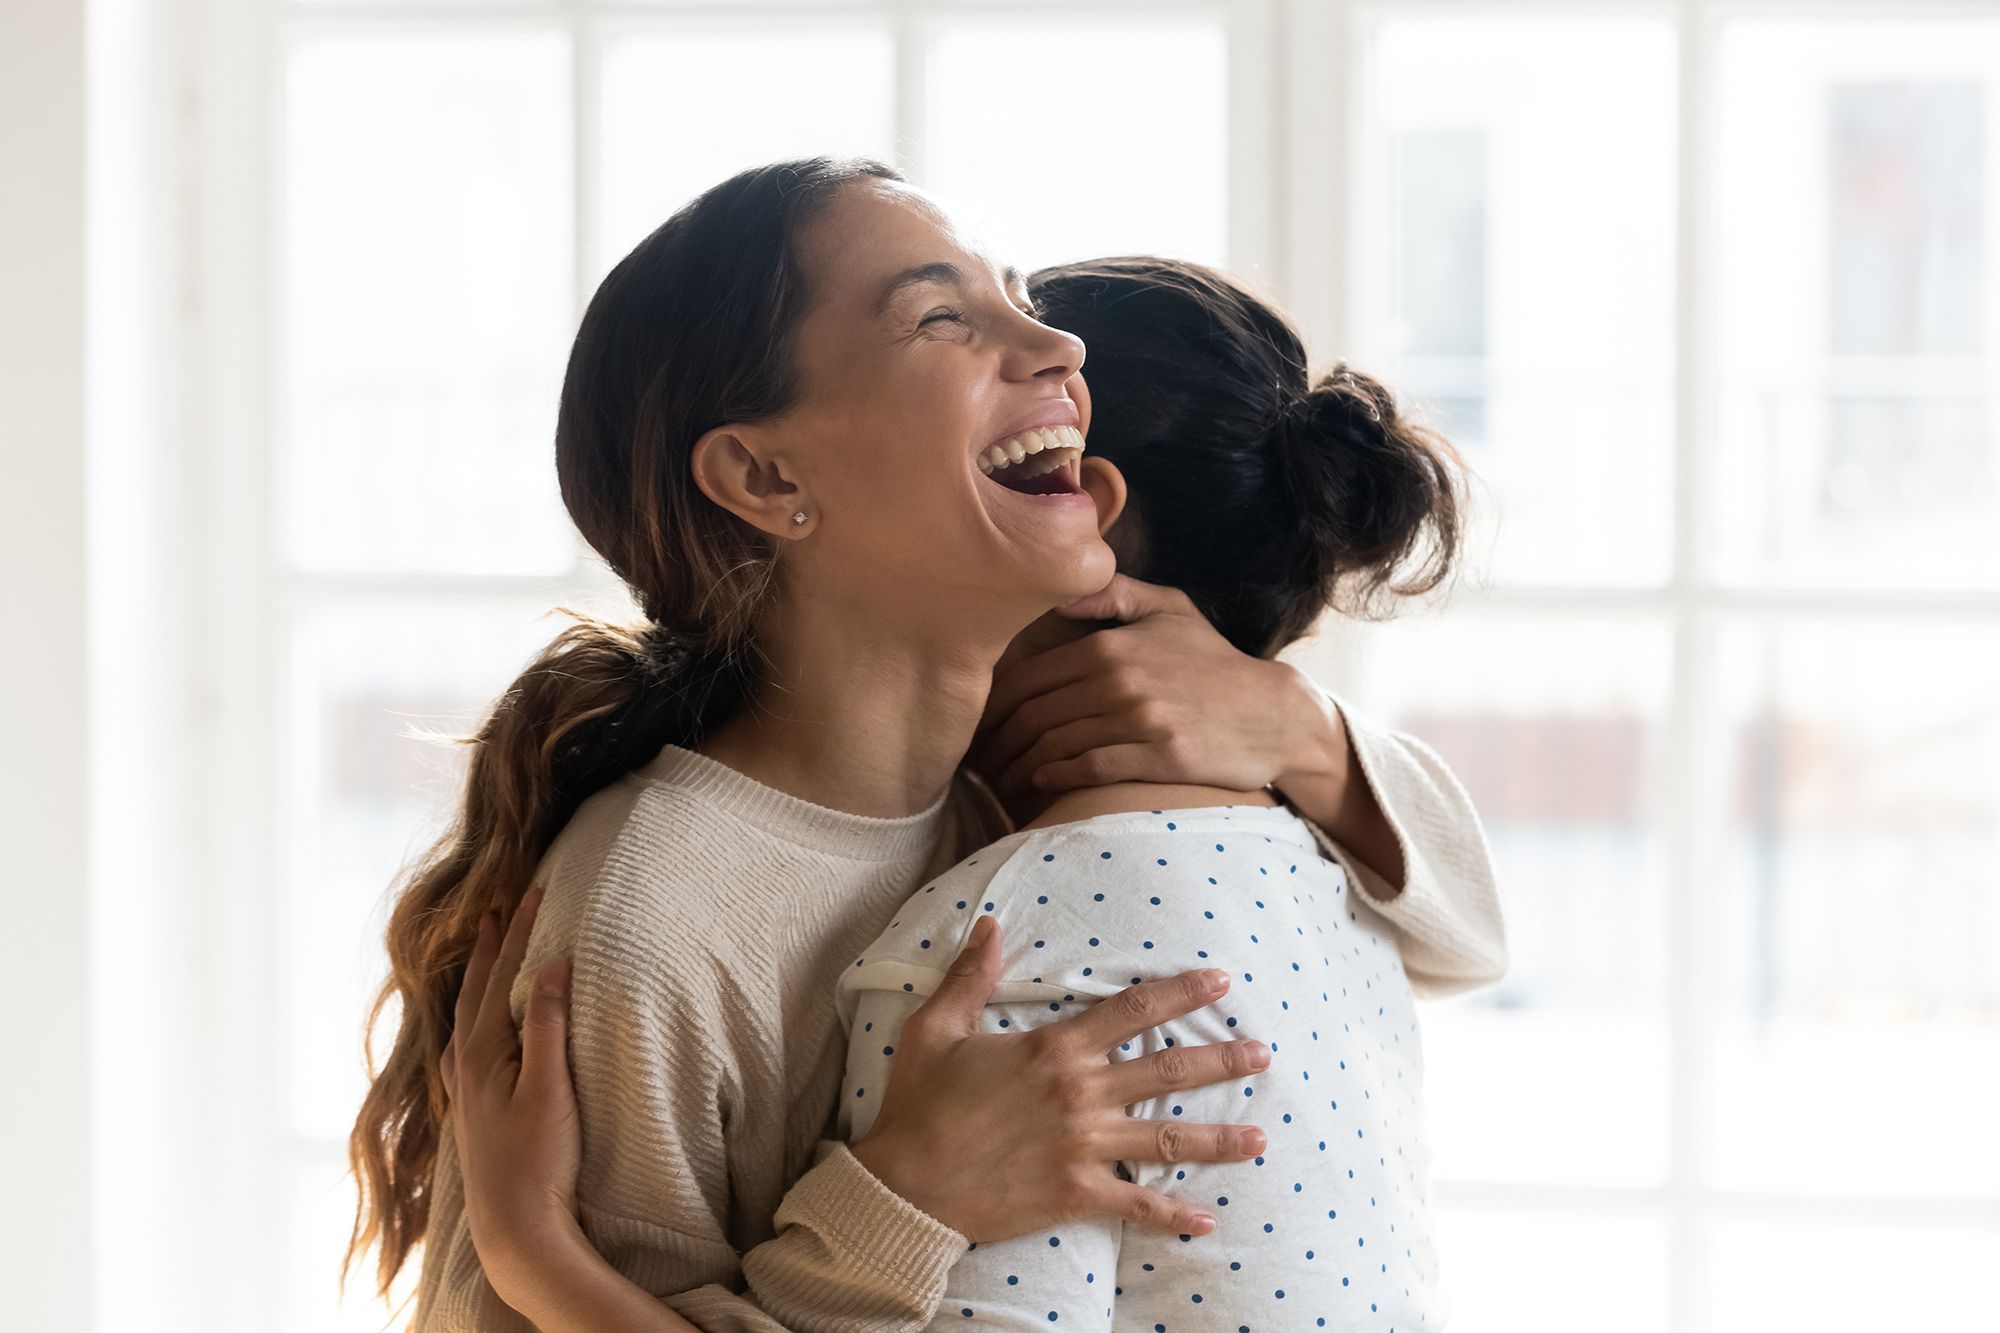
(1857,236)
(816,90)
(1861,1046)
(363,796)
(1554,734)
(1530,313)
(1835,1278)
(1116,144)
(1497,1265)
(428,302)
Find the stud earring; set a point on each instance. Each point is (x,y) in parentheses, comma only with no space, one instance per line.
(799,517)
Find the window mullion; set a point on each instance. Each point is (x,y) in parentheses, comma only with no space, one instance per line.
(1691,748)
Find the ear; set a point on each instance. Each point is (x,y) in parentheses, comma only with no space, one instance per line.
(733,468)
(1105,485)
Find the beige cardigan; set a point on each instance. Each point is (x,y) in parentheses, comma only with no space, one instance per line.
(706,916)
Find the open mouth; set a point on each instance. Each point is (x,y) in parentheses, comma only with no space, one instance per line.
(1047,460)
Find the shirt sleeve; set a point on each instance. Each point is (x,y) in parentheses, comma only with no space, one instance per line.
(849,1254)
(1447,915)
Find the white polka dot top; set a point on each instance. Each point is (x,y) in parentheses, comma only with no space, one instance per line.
(1330,1228)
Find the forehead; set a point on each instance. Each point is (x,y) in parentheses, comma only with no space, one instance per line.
(869,244)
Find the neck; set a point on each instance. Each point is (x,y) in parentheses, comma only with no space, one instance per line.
(870,720)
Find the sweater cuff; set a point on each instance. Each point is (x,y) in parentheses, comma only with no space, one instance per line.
(1374,769)
(874,1228)
(1418,903)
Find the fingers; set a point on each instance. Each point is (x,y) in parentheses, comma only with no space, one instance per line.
(1047,671)
(545,1033)
(1132,761)
(495,1023)
(1153,1210)
(1176,1141)
(1132,1010)
(1106,734)
(472,987)
(1180,1067)
(1125,598)
(954,1007)
(1043,713)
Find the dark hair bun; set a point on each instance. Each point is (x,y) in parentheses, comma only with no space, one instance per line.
(1259,495)
(1379,493)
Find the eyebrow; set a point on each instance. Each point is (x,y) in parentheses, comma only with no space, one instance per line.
(940,272)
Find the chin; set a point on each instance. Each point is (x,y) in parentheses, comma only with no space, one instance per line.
(1087,571)
(1037,581)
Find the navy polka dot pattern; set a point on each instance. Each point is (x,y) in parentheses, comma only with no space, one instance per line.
(1330,1227)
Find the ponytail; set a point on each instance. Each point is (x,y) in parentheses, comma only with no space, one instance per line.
(600,701)
(691,330)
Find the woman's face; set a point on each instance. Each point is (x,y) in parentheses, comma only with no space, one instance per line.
(917,355)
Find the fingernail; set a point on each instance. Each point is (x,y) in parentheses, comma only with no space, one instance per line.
(1259,1054)
(1204,1223)
(1253,1141)
(555,979)
(1216,980)
(981,929)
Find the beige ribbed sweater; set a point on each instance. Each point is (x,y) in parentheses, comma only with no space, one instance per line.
(706,917)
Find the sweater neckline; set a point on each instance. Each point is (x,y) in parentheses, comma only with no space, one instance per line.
(794,818)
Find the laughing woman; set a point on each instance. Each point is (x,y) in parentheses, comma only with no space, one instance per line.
(1264,500)
(771,428)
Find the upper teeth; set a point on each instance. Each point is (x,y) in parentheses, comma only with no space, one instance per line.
(1008,452)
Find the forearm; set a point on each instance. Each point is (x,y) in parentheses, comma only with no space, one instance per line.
(1326,783)
(850,1254)
(846,1256)
(570,1288)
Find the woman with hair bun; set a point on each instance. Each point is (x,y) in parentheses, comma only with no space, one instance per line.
(1262,499)
(839,456)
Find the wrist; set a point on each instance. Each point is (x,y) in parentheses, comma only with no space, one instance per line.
(890,1159)
(1327,785)
(533,1265)
(1313,772)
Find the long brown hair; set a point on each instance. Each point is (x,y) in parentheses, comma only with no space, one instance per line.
(691,330)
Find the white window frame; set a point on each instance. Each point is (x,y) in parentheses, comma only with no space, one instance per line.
(1296,123)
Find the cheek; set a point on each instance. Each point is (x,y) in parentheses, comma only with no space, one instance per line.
(925,427)
(900,458)
(899,476)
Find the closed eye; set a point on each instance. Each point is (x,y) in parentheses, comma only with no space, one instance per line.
(958,316)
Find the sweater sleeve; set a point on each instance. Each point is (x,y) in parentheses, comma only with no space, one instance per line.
(848,1254)
(1447,915)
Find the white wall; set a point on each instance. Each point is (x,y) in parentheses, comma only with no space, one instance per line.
(44,1112)
(153,1073)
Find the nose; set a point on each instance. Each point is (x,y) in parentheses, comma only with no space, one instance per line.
(1048,353)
